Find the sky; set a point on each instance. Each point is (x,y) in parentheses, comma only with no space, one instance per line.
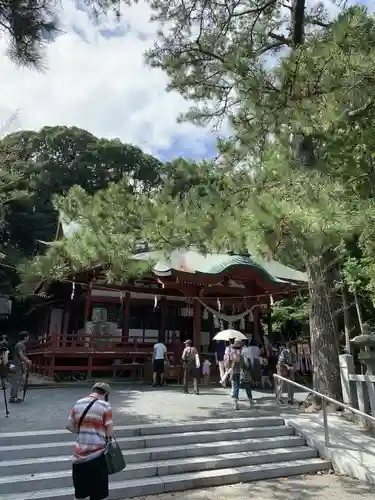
(96,79)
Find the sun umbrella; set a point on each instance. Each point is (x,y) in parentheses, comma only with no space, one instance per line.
(230,334)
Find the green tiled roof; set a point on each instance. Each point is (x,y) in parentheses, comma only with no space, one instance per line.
(191,261)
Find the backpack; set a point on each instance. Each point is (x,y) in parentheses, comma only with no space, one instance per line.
(190,358)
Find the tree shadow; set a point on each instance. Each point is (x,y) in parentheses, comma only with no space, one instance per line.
(307,487)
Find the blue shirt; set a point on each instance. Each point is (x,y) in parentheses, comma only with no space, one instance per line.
(220,351)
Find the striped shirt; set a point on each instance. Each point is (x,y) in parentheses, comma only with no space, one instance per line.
(91,440)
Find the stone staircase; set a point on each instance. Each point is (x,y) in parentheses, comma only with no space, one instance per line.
(160,458)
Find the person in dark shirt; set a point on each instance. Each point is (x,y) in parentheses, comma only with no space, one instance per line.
(4,356)
(220,351)
(21,363)
(285,369)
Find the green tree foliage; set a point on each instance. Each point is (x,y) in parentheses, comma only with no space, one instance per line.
(9,253)
(290,318)
(109,226)
(297,201)
(29,26)
(53,160)
(116,222)
(304,96)
(296,180)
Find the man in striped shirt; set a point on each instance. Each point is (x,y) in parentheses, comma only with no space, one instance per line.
(91,420)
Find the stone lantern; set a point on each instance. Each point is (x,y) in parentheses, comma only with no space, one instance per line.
(366,345)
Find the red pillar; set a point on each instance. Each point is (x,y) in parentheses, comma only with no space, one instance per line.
(256,329)
(126,312)
(163,320)
(197,325)
(87,306)
(269,319)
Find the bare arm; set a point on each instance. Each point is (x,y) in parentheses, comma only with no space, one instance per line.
(21,354)
(6,357)
(108,423)
(71,426)
(109,431)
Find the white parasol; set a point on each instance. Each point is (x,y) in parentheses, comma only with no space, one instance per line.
(230,334)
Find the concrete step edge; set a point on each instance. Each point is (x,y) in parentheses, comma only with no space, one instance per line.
(264,454)
(206,448)
(162,484)
(138,429)
(144,439)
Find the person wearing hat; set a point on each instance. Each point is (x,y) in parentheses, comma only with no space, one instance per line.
(91,419)
(190,361)
(240,373)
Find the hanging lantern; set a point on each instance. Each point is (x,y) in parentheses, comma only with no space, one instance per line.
(242,323)
(205,314)
(218,304)
(216,322)
(271,300)
(73,289)
(251,317)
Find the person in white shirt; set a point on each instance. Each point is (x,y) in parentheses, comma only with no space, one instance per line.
(253,351)
(158,358)
(228,370)
(245,350)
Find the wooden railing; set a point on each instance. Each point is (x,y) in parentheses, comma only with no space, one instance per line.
(89,342)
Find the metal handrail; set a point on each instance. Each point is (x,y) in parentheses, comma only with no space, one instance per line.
(324,399)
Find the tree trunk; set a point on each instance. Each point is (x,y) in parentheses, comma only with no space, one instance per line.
(323,332)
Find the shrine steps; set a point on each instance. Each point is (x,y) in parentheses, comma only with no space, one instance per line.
(160,458)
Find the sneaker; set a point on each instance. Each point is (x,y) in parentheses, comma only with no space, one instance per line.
(236,406)
(15,400)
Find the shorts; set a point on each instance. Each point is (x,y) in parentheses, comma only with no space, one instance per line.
(90,479)
(158,366)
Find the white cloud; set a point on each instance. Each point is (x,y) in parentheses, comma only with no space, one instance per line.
(100,84)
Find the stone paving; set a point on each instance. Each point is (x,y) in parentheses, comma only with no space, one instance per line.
(47,408)
(294,488)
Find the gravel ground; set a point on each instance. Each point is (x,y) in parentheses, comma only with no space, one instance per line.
(317,487)
(48,408)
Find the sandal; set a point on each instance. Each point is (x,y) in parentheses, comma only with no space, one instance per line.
(15,400)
